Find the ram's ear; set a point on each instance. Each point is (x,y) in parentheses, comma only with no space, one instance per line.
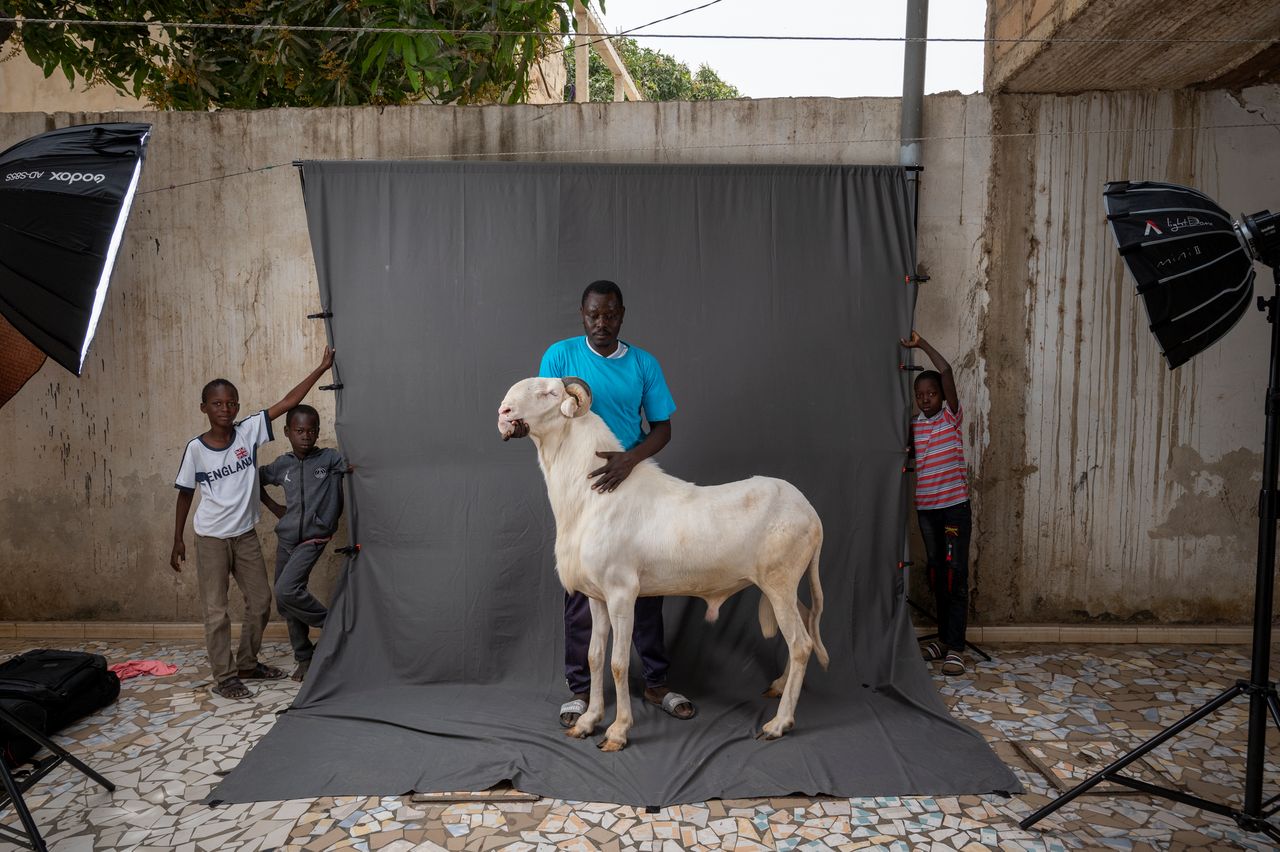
(578,397)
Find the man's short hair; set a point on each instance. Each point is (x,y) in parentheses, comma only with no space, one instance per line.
(213,386)
(604,288)
(929,376)
(298,411)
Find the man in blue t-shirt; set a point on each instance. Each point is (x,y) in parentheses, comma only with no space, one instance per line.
(627,388)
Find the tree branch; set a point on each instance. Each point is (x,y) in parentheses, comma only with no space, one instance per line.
(6,29)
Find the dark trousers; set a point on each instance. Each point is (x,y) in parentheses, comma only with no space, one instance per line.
(294,601)
(946,542)
(646,637)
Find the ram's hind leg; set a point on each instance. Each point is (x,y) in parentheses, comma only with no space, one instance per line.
(775,688)
(799,647)
(587,722)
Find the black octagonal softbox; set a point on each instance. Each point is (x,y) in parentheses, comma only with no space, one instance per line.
(64,199)
(1193,271)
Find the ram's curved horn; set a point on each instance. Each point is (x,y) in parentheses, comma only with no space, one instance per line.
(580,394)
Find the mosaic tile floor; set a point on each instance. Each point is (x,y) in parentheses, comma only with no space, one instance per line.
(1046,709)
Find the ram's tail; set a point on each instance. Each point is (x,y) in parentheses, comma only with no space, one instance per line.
(815,613)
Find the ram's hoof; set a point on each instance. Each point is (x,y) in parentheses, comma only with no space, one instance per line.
(774,729)
(611,745)
(576,733)
(772,693)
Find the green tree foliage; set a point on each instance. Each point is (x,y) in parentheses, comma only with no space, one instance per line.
(176,67)
(659,76)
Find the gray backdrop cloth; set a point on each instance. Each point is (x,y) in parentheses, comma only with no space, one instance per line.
(774,297)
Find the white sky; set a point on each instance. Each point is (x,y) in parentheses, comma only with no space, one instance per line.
(780,69)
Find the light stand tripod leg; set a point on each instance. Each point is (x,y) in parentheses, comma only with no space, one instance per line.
(1123,761)
(32,838)
(1259,688)
(975,649)
(13,790)
(9,719)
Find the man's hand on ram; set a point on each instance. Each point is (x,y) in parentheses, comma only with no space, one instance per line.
(617,467)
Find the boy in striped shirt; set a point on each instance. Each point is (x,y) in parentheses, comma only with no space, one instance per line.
(942,503)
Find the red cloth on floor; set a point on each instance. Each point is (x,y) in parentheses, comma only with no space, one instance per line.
(133,668)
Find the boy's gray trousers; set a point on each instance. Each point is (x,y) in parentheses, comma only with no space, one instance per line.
(301,609)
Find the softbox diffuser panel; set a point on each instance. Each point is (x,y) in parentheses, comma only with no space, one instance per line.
(1192,270)
(64,199)
(773,297)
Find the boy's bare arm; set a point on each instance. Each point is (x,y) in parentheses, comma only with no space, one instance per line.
(941,364)
(299,393)
(179,554)
(272,506)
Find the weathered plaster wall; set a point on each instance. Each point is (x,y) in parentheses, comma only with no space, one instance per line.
(1106,487)
(215,277)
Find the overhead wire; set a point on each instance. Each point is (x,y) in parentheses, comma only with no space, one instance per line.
(634,32)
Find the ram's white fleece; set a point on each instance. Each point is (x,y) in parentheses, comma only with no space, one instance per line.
(658,535)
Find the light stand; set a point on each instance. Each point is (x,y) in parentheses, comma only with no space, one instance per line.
(1256,813)
(29,837)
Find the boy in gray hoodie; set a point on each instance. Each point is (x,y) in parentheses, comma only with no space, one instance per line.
(311,477)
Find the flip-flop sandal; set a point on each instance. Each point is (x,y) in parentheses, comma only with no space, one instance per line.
(261,672)
(931,651)
(953,665)
(232,688)
(671,701)
(574,708)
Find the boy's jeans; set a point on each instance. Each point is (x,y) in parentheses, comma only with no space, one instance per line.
(301,609)
(946,533)
(218,560)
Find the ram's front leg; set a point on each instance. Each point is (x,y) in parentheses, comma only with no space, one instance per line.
(587,722)
(622,611)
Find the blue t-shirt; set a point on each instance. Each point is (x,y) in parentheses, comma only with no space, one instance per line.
(623,390)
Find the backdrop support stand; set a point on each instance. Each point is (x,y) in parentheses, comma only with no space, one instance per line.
(934,635)
(29,837)
(1263,701)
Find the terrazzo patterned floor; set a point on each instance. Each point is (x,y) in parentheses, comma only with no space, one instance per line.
(1044,708)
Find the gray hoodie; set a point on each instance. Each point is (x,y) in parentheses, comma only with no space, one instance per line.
(312,493)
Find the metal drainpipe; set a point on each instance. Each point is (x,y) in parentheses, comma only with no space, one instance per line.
(913,94)
(909,157)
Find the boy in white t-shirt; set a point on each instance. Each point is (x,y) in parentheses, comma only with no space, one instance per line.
(222,464)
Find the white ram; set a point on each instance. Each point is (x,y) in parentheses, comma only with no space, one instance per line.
(658,535)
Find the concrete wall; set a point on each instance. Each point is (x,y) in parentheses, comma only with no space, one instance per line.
(1061,46)
(215,278)
(1061,382)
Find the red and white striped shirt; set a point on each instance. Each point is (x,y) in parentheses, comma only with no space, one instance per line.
(941,477)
